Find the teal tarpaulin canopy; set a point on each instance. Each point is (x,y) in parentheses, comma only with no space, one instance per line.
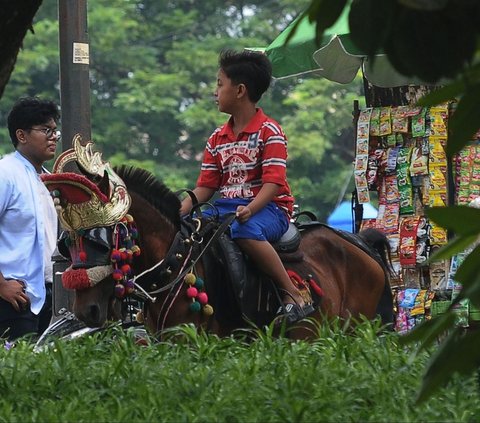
(341,217)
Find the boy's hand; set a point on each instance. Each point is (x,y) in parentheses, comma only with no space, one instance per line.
(243,213)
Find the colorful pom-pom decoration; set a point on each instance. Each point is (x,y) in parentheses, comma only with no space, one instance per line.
(116,256)
(190,278)
(139,317)
(123,254)
(126,269)
(192,292)
(129,286)
(199,283)
(195,307)
(135,250)
(119,290)
(207,310)
(202,298)
(117,275)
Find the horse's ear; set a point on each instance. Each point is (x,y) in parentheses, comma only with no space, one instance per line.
(104,184)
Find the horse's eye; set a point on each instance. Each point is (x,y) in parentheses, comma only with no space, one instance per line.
(63,244)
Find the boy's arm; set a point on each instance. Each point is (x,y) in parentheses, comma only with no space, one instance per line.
(264,196)
(202,193)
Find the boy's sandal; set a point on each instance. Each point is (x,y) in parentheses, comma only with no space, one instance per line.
(292,313)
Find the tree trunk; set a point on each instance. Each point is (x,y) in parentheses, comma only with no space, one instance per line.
(15,20)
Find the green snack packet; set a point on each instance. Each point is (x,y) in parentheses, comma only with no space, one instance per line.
(418,124)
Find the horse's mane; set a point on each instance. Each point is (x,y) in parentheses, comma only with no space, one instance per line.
(145,184)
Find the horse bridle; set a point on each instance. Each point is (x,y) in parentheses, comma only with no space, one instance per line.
(186,250)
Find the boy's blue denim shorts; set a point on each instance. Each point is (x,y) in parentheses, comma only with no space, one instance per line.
(268,224)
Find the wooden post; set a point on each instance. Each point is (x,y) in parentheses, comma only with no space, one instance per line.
(74,70)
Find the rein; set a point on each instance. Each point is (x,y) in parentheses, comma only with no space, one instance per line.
(192,238)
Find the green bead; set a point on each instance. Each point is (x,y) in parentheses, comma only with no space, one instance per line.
(199,283)
(195,307)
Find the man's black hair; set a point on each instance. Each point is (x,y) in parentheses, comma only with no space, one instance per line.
(30,111)
(251,68)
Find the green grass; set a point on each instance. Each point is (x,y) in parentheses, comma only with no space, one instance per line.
(341,377)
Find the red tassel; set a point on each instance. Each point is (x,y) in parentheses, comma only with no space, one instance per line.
(296,277)
(82,255)
(316,288)
(75,279)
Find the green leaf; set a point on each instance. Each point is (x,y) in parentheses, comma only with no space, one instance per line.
(326,13)
(443,94)
(455,246)
(465,122)
(470,292)
(462,220)
(428,331)
(469,270)
(459,353)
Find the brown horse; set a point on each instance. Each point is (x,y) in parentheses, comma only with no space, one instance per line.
(186,269)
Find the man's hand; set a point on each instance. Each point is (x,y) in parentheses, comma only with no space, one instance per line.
(243,213)
(13,291)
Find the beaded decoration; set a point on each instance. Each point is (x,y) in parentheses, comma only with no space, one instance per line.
(196,292)
(124,235)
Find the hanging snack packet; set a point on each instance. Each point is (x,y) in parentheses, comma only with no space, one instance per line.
(392,154)
(390,218)
(399,120)
(404,154)
(437,151)
(385,121)
(418,124)
(418,162)
(409,297)
(438,126)
(375,122)
(406,199)
(391,140)
(361,161)
(408,240)
(391,189)
(362,146)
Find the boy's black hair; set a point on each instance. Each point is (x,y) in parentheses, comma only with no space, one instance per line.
(30,111)
(251,68)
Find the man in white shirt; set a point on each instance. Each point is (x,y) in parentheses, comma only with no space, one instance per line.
(28,223)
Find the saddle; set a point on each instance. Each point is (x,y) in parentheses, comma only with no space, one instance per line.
(244,292)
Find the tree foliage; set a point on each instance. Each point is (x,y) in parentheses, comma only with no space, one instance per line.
(153,69)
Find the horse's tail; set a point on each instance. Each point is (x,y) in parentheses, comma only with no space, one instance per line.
(378,242)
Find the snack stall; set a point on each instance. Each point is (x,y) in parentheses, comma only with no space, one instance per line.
(401,160)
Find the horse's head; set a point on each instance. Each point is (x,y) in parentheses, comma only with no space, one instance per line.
(99,236)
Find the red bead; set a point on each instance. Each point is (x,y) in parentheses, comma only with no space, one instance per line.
(117,274)
(202,298)
(83,256)
(126,269)
(192,292)
(116,256)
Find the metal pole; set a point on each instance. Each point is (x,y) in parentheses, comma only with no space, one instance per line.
(74,70)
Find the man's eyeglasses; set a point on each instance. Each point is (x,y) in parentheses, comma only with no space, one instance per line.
(49,132)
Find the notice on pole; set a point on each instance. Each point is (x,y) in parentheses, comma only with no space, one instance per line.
(81,53)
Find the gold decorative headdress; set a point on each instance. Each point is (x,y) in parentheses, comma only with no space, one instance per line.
(98,197)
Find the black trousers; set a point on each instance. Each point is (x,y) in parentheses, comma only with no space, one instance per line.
(15,324)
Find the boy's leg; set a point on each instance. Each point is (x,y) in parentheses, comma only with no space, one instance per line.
(267,259)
